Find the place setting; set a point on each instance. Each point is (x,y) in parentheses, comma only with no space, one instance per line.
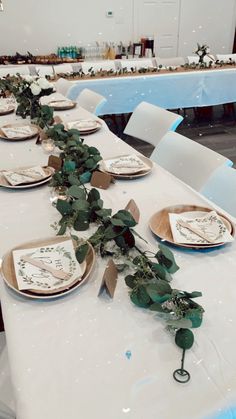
(6,107)
(58,102)
(85,126)
(46,268)
(130,166)
(191,226)
(25,177)
(18,131)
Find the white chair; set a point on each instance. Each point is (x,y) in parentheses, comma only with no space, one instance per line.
(221,189)
(98,65)
(194,59)
(187,160)
(149,123)
(63,86)
(6,391)
(226,57)
(45,70)
(63,68)
(13,70)
(170,62)
(91,101)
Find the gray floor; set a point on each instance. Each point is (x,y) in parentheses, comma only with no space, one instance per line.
(213,127)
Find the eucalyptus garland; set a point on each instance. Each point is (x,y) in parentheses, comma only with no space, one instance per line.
(149,274)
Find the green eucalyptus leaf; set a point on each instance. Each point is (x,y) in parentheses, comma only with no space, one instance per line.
(104,213)
(93,150)
(93,195)
(81,252)
(159,270)
(130,281)
(80,204)
(76,192)
(85,177)
(195,316)
(157,307)
(81,222)
(166,258)
(117,222)
(183,323)
(161,288)
(184,338)
(64,207)
(69,166)
(73,179)
(126,217)
(62,230)
(140,297)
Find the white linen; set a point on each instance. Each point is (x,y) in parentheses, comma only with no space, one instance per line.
(68,356)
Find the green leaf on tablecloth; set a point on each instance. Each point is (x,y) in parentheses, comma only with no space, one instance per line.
(166,258)
(184,338)
(76,192)
(195,316)
(126,217)
(81,252)
(62,229)
(183,323)
(161,272)
(93,150)
(93,195)
(104,213)
(160,288)
(80,204)
(157,307)
(140,297)
(73,180)
(130,281)
(81,222)
(69,166)
(64,207)
(85,177)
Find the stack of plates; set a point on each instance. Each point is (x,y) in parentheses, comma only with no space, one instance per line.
(126,172)
(15,132)
(85,126)
(31,184)
(6,109)
(62,105)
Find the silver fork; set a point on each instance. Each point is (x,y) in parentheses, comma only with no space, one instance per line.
(55,272)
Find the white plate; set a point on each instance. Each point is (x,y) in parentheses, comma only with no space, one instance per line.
(48,171)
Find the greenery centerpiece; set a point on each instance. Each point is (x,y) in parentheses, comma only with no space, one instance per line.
(27,91)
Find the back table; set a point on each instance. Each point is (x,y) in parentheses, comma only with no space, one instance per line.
(68,356)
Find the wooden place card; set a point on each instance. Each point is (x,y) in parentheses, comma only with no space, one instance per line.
(109,280)
(133,209)
(41,136)
(101,180)
(55,162)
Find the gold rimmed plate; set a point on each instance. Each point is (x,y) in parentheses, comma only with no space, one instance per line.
(9,109)
(135,175)
(9,276)
(85,127)
(160,225)
(57,106)
(34,132)
(49,171)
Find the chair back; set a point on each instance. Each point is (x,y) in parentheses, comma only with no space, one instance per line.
(150,123)
(13,70)
(98,65)
(226,57)
(62,86)
(221,189)
(63,68)
(91,101)
(187,160)
(44,70)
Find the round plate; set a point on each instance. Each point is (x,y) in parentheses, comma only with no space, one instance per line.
(160,226)
(6,112)
(57,107)
(95,126)
(146,160)
(34,129)
(48,175)
(8,270)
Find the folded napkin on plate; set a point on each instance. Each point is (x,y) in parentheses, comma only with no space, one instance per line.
(30,175)
(82,124)
(60,103)
(125,164)
(210,224)
(5,108)
(60,256)
(17,132)
(54,97)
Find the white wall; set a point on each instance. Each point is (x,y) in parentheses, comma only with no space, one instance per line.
(40,26)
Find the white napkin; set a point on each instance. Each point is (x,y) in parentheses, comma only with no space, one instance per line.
(17,132)
(60,103)
(54,97)
(4,108)
(125,165)
(59,256)
(24,176)
(82,124)
(209,223)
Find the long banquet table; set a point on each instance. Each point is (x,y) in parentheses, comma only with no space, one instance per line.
(169,90)
(68,356)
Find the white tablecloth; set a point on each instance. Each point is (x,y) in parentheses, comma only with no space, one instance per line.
(68,356)
(170,90)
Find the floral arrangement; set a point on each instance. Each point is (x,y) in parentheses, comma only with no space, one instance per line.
(27,91)
(203,51)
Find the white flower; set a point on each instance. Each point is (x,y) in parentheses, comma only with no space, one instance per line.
(200,53)
(44,83)
(29,79)
(207,50)
(35,89)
